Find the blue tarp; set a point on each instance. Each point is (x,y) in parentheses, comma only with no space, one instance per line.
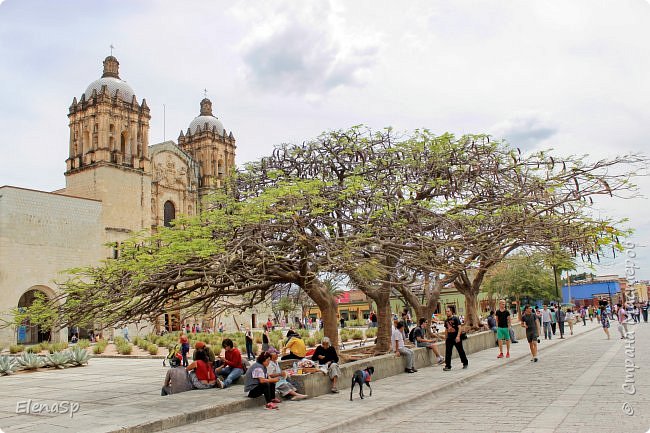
(588,290)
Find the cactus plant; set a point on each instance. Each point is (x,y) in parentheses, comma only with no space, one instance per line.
(78,356)
(58,359)
(30,361)
(7,365)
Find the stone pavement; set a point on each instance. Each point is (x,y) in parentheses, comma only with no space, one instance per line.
(545,396)
(123,395)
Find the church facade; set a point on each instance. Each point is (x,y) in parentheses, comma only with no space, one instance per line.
(117,184)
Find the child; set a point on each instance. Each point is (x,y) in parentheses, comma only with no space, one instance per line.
(185,348)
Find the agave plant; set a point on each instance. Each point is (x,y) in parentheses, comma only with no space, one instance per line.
(78,356)
(58,359)
(7,365)
(30,361)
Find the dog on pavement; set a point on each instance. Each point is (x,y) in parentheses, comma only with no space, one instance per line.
(360,377)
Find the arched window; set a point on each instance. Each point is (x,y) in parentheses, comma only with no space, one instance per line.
(169,213)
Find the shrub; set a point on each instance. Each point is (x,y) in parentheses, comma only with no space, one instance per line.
(58,359)
(46,345)
(78,356)
(124,349)
(99,347)
(318,335)
(310,342)
(84,344)
(30,361)
(371,332)
(153,349)
(356,334)
(119,341)
(59,346)
(33,349)
(7,365)
(257,337)
(16,348)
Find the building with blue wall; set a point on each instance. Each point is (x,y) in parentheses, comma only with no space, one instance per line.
(585,293)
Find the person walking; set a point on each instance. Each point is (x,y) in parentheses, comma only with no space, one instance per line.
(452,339)
(569,319)
(125,333)
(553,320)
(398,345)
(531,324)
(621,316)
(604,321)
(504,321)
(250,354)
(546,322)
(560,316)
(583,316)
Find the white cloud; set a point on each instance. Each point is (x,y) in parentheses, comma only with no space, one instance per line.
(527,130)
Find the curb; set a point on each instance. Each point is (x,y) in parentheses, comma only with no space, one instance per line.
(344,426)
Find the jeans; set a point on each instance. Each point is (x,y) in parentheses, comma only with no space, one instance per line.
(553,327)
(450,343)
(232,374)
(249,349)
(547,330)
(560,325)
(408,353)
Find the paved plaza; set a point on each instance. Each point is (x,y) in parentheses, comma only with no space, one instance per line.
(576,386)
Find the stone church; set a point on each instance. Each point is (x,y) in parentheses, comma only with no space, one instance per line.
(116,185)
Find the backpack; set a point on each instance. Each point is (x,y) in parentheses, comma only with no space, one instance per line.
(412,335)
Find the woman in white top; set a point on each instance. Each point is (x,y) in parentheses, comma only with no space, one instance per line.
(283,387)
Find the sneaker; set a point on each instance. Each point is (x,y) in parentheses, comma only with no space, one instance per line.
(446,369)
(441,360)
(219,384)
(508,355)
(535,359)
(271,406)
(465,366)
(334,390)
(414,370)
(408,370)
(500,355)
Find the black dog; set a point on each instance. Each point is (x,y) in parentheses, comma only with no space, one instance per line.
(361,377)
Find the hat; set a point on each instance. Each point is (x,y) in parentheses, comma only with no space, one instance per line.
(199,345)
(272,351)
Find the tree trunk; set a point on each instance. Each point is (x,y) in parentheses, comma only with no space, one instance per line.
(383,324)
(471,308)
(327,304)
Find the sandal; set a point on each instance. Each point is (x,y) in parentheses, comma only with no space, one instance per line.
(271,406)
(276,400)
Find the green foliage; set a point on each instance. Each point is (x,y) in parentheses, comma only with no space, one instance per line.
(310,342)
(83,343)
(124,348)
(152,349)
(36,348)
(99,347)
(30,361)
(521,276)
(58,359)
(41,313)
(371,332)
(62,345)
(78,356)
(16,348)
(7,365)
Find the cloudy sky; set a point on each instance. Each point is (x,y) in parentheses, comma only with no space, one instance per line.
(572,76)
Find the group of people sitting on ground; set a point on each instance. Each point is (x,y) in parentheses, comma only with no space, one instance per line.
(263,377)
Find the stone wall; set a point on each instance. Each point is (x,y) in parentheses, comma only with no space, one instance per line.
(42,234)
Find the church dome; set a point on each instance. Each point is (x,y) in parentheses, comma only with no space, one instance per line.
(206,119)
(111,79)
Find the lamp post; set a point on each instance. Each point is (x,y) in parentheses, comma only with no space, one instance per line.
(610,294)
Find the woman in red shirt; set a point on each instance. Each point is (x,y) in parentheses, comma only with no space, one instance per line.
(201,373)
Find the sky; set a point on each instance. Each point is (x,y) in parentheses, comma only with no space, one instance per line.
(545,74)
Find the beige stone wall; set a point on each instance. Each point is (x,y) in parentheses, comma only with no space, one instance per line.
(125,194)
(174,180)
(42,234)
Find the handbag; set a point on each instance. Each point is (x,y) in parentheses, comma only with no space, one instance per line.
(463,336)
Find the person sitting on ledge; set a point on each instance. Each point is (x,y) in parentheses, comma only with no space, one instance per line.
(257,382)
(232,366)
(326,355)
(200,345)
(420,334)
(296,348)
(201,373)
(284,387)
(176,379)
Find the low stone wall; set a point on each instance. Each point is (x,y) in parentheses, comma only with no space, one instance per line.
(389,365)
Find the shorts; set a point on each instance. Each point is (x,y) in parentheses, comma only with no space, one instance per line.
(531,337)
(503,334)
